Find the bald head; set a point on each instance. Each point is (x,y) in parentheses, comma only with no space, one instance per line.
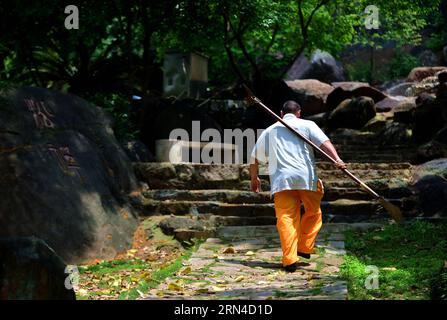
(291,107)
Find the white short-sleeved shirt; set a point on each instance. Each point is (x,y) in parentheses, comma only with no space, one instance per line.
(291,161)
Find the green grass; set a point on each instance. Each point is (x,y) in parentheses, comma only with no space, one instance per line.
(412,254)
(114,266)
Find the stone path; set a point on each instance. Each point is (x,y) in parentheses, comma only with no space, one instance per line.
(244,262)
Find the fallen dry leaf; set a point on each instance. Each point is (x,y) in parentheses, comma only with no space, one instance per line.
(229,250)
(249,253)
(217,289)
(389,269)
(185,270)
(202,290)
(239,279)
(175,287)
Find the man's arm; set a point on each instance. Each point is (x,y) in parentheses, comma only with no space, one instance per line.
(329,148)
(255,181)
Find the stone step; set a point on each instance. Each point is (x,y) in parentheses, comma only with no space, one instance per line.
(236,221)
(338,207)
(364,174)
(206,176)
(366,147)
(226,196)
(240,197)
(375,157)
(388,187)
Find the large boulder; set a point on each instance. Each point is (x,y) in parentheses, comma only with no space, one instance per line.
(394,133)
(30,270)
(322,66)
(348,90)
(420,73)
(137,151)
(378,123)
(311,94)
(430,182)
(430,116)
(65,179)
(427,85)
(399,89)
(393,103)
(352,113)
(403,112)
(434,149)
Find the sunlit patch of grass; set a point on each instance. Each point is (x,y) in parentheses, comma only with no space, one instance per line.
(114,266)
(408,257)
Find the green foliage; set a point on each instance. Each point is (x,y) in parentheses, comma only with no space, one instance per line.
(358,71)
(121,110)
(121,43)
(401,65)
(409,258)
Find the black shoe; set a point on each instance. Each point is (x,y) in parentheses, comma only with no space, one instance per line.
(304,255)
(291,267)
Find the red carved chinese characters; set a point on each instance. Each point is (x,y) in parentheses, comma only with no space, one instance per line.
(40,113)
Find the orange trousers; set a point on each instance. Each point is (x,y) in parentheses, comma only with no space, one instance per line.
(295,232)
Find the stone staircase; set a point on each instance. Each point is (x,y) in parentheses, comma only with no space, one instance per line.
(221,193)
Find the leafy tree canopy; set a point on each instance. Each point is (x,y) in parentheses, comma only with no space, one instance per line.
(120,44)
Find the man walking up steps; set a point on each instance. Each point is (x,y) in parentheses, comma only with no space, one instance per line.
(293,180)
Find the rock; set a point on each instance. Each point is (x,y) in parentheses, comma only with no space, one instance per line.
(187,234)
(31,270)
(430,182)
(390,103)
(434,149)
(137,151)
(420,73)
(320,119)
(352,113)
(394,133)
(441,93)
(322,66)
(350,85)
(182,176)
(399,89)
(404,111)
(169,225)
(64,176)
(430,116)
(377,124)
(431,150)
(311,94)
(428,58)
(428,85)
(348,90)
(185,229)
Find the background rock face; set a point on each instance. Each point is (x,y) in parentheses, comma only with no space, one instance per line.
(30,270)
(64,176)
